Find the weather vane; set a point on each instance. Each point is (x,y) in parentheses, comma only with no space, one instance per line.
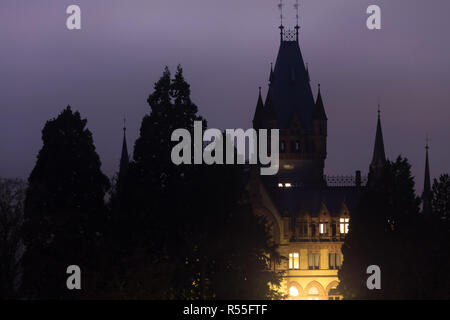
(280,7)
(427,141)
(296,6)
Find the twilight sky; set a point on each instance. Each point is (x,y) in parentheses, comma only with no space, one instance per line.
(108,68)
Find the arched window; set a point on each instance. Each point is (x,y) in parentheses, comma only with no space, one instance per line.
(313,293)
(293,291)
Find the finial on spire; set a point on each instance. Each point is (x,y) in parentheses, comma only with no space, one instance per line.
(124,123)
(379,110)
(297,27)
(280,7)
(259,90)
(427,140)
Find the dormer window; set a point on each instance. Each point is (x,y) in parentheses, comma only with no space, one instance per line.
(323,228)
(343,225)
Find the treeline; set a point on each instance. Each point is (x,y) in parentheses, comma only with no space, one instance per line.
(164,232)
(389,229)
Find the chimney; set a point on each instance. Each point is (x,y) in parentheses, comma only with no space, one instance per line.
(358,178)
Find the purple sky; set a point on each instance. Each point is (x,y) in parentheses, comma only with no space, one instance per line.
(108,69)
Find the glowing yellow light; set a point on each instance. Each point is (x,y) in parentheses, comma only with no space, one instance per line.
(288,185)
(293,292)
(280,185)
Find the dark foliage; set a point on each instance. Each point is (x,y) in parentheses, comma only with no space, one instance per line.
(12,193)
(387,230)
(65,215)
(187,231)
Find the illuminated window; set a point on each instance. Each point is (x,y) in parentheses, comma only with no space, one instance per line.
(343,226)
(313,293)
(293,292)
(280,185)
(323,228)
(288,185)
(294,260)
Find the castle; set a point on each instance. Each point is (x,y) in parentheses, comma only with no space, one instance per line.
(309,213)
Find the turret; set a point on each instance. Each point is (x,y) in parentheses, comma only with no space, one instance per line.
(426,194)
(379,156)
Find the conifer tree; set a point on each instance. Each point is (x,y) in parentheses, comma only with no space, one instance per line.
(441,197)
(64,208)
(382,229)
(188,231)
(12,193)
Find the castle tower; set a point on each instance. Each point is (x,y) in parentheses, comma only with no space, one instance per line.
(290,107)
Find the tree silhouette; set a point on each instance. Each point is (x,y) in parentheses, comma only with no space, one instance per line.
(12,193)
(441,197)
(383,232)
(65,214)
(186,231)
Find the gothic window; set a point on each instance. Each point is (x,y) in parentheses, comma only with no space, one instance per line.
(333,229)
(323,228)
(283,146)
(334,260)
(297,146)
(313,230)
(343,225)
(304,229)
(313,293)
(294,260)
(313,261)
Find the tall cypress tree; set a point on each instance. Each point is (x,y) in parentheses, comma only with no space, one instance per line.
(64,208)
(187,231)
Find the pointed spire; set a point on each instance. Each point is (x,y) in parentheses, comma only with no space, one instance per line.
(319,109)
(426,194)
(258,111)
(124,159)
(269,113)
(307,74)
(271,73)
(379,156)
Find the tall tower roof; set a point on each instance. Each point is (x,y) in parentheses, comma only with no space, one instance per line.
(379,156)
(258,111)
(289,88)
(319,110)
